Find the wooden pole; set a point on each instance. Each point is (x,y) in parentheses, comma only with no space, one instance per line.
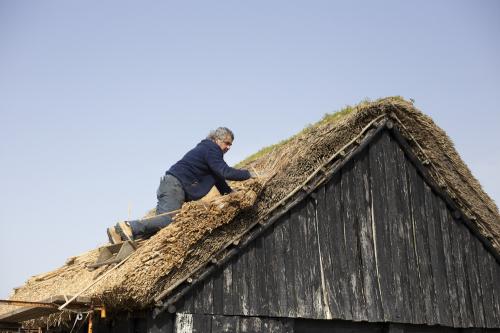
(92,284)
(91,324)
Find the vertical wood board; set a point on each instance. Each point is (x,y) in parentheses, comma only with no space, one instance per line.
(351,244)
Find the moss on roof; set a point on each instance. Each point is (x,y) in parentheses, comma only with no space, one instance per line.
(329,118)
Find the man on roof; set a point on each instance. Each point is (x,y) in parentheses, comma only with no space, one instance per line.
(189,179)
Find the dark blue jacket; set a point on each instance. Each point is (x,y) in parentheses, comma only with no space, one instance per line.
(203,167)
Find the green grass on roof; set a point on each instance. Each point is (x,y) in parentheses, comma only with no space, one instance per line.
(327,118)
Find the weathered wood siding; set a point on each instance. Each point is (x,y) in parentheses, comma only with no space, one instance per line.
(143,322)
(374,244)
(123,322)
(199,323)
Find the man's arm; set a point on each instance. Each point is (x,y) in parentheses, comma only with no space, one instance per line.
(223,171)
(222,186)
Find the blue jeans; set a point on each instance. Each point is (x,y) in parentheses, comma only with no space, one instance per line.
(170,195)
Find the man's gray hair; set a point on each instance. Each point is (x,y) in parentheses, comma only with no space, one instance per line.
(220,134)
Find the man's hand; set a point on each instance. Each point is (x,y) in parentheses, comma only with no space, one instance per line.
(261,174)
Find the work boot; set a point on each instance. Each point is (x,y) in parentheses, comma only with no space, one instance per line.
(124,230)
(113,235)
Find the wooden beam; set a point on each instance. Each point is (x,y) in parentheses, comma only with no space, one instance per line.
(32,310)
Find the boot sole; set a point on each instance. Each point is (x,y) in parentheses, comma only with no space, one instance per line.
(111,237)
(122,234)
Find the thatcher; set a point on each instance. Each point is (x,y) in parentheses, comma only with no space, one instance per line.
(204,227)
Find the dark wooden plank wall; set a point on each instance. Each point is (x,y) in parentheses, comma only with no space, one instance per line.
(374,244)
(337,326)
(143,322)
(123,322)
(198,323)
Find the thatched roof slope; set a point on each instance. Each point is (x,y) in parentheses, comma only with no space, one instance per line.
(433,147)
(133,284)
(202,228)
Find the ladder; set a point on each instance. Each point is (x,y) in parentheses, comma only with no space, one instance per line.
(114,253)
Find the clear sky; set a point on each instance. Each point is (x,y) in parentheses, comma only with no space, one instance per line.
(99,98)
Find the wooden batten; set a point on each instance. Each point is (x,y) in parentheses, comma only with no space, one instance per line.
(43,308)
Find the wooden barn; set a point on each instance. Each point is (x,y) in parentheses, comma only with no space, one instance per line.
(371,223)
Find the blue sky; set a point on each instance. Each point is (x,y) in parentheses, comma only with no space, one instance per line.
(99,98)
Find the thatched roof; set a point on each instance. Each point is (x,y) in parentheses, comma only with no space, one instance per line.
(202,228)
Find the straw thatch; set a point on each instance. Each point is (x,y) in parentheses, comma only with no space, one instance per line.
(203,227)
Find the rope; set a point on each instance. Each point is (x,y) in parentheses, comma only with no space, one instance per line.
(74,324)
(81,323)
